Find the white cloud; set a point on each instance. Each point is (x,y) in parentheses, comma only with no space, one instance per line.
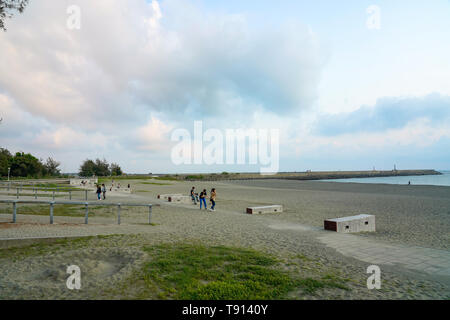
(67,138)
(154,136)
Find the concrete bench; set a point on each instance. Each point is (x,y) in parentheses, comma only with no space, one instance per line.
(181,199)
(359,223)
(166,196)
(122,190)
(265,209)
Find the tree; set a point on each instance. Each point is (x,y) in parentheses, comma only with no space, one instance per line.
(51,167)
(98,168)
(102,168)
(5,161)
(26,165)
(115,169)
(7,7)
(87,168)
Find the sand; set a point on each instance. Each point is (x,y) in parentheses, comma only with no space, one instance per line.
(406,215)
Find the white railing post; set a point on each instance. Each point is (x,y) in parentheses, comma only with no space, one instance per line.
(17,193)
(150,214)
(51,212)
(86,215)
(118,213)
(14,212)
(85,196)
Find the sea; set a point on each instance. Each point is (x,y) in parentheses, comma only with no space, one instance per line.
(433,180)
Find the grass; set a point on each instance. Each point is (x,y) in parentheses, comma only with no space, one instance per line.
(198,272)
(190,271)
(124,177)
(60,210)
(195,177)
(39,195)
(195,271)
(156,183)
(169,178)
(45,246)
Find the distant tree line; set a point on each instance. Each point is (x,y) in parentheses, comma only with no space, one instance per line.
(26,165)
(99,168)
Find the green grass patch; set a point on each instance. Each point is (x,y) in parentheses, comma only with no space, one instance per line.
(169,178)
(45,246)
(195,177)
(157,183)
(197,272)
(61,210)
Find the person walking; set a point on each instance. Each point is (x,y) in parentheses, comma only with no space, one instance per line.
(99,192)
(104,191)
(203,195)
(212,198)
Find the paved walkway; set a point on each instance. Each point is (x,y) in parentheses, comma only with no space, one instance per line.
(377,252)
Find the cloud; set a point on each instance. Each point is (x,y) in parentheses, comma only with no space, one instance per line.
(154,136)
(386,114)
(67,138)
(138,57)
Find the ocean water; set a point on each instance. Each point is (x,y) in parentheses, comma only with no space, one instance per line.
(434,180)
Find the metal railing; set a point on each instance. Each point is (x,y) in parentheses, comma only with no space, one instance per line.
(86,204)
(58,190)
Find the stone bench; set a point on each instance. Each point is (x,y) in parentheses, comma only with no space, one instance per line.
(166,196)
(265,209)
(359,223)
(123,190)
(181,199)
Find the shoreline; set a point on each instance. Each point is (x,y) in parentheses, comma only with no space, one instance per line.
(307,175)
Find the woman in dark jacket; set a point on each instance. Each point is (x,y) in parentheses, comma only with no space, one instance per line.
(99,192)
(203,195)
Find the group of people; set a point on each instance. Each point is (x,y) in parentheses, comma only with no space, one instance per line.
(101,190)
(202,198)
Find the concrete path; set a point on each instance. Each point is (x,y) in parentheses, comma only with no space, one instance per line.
(428,260)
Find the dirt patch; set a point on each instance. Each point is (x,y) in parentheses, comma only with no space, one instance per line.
(33,277)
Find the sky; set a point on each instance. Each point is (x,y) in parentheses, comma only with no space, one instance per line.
(349,85)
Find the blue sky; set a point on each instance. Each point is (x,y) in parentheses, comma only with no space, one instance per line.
(342,95)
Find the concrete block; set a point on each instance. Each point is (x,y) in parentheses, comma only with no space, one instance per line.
(166,196)
(180,199)
(265,209)
(88,182)
(359,223)
(121,190)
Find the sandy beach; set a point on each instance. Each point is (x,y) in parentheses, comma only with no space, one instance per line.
(413,221)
